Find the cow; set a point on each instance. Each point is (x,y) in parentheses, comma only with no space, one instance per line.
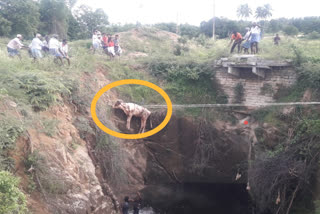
(131,109)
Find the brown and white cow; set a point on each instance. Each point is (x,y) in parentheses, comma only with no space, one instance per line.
(131,109)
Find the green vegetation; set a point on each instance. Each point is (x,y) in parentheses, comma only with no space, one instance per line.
(10,130)
(12,200)
(297,151)
(266,89)
(43,178)
(238,93)
(49,127)
(291,30)
(314,35)
(49,17)
(111,157)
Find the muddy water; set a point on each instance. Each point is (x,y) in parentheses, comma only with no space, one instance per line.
(146,210)
(191,198)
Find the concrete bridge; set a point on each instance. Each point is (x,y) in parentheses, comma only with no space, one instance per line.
(261,78)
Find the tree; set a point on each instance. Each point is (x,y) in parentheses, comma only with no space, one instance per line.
(223,27)
(263,12)
(71,3)
(171,26)
(74,29)
(91,20)
(291,30)
(314,35)
(23,14)
(274,26)
(54,17)
(189,30)
(244,11)
(12,200)
(5,27)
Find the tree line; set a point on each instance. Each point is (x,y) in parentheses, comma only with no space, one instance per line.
(224,27)
(60,17)
(29,17)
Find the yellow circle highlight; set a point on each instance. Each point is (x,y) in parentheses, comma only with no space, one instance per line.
(134,82)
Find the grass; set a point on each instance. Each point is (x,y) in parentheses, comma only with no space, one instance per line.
(49,127)
(285,51)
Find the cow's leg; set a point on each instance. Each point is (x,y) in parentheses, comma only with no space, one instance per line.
(128,121)
(143,124)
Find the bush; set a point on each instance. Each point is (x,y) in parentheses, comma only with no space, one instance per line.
(187,81)
(83,126)
(12,200)
(111,157)
(238,93)
(41,91)
(314,35)
(49,127)
(10,130)
(177,50)
(49,180)
(266,89)
(201,39)
(287,172)
(309,75)
(291,30)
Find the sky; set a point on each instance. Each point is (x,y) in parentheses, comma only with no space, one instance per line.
(193,12)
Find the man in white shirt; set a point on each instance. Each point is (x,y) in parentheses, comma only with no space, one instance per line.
(246,45)
(55,48)
(14,46)
(96,41)
(255,37)
(36,47)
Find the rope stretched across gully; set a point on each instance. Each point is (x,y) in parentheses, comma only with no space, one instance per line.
(232,105)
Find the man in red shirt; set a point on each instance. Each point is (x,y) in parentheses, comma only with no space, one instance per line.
(236,38)
(105,40)
(111,46)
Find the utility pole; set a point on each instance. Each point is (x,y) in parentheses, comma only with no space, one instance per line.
(213,20)
(178,24)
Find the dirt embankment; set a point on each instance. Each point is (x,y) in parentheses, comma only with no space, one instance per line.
(56,164)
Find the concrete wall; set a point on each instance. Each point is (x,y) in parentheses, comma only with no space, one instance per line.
(252,83)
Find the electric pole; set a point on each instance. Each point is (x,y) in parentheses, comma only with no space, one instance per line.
(213,20)
(178,24)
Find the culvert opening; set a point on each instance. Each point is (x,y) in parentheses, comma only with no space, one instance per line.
(190,198)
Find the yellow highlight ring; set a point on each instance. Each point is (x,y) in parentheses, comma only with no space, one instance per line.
(135,82)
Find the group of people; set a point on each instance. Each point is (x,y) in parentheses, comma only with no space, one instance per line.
(250,40)
(110,45)
(136,204)
(39,45)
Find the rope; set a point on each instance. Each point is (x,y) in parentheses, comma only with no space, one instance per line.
(232,105)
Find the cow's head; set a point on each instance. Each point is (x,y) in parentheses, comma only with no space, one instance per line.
(118,104)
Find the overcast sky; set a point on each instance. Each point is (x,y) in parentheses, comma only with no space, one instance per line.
(193,12)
